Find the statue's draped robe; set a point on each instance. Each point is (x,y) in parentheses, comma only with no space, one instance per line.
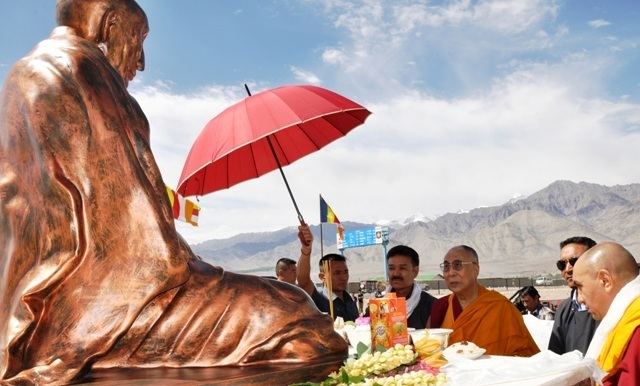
(92,271)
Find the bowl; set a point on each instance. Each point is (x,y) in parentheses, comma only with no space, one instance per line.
(442,334)
(463,350)
(359,335)
(416,335)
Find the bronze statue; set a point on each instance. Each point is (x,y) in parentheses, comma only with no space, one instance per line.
(93,273)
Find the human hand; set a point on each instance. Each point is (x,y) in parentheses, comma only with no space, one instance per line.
(306,238)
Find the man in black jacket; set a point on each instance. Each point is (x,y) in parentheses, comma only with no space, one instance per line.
(573,327)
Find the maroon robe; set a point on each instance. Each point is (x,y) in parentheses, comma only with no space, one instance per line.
(628,370)
(439,310)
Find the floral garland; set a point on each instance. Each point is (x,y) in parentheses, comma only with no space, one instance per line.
(399,365)
(417,378)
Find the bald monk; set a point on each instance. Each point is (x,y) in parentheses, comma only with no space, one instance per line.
(606,277)
(477,314)
(92,271)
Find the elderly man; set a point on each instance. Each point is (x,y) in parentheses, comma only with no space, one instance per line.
(93,271)
(403,265)
(573,326)
(606,277)
(477,314)
(344,305)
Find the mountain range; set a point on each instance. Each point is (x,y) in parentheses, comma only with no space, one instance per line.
(518,238)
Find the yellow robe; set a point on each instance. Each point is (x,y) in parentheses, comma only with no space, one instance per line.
(493,323)
(618,339)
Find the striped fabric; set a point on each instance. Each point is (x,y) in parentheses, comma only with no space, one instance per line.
(183,209)
(326,213)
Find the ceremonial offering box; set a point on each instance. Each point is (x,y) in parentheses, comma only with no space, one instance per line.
(388,321)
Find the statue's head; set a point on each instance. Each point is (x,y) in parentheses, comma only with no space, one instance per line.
(118,27)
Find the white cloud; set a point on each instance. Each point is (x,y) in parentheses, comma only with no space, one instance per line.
(419,153)
(305,76)
(506,16)
(535,122)
(381,37)
(365,17)
(512,15)
(598,23)
(333,56)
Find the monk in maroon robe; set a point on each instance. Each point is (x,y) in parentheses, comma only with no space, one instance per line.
(608,283)
(92,271)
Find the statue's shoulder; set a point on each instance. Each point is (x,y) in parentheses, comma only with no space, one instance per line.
(58,56)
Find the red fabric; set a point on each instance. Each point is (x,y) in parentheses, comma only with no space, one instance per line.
(628,370)
(233,147)
(439,310)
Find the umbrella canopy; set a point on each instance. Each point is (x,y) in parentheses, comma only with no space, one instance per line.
(234,146)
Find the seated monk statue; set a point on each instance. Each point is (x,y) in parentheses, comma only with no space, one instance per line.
(92,271)
(606,277)
(477,314)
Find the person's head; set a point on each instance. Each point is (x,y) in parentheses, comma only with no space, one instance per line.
(461,268)
(600,274)
(530,298)
(339,271)
(118,27)
(403,264)
(570,250)
(286,270)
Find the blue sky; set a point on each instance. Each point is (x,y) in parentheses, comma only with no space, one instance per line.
(474,101)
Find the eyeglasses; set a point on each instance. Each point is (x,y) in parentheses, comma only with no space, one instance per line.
(456,265)
(562,264)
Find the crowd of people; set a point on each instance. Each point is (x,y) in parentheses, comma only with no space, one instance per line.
(604,301)
(76,299)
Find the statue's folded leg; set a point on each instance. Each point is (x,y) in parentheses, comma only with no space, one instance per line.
(220,318)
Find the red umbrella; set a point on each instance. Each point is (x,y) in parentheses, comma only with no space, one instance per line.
(266,131)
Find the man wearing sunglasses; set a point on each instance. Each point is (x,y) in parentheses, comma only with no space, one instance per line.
(573,327)
(477,314)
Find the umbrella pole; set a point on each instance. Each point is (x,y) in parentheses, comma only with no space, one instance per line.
(273,151)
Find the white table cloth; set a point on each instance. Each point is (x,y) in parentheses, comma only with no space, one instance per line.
(544,368)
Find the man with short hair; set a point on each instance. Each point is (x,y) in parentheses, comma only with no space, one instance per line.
(286,270)
(606,277)
(343,304)
(573,326)
(403,265)
(531,301)
(477,314)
